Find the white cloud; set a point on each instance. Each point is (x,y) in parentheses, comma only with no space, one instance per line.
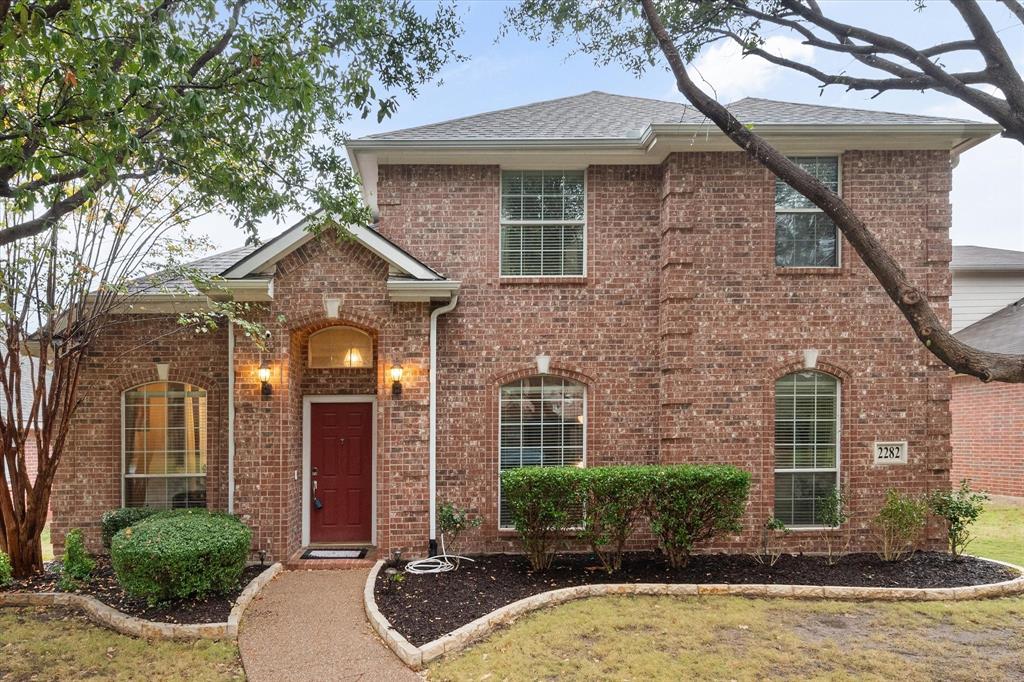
(730,75)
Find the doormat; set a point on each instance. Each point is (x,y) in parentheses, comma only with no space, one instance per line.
(333,554)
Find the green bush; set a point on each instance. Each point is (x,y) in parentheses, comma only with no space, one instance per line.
(614,498)
(181,554)
(117,519)
(693,503)
(899,524)
(545,503)
(833,512)
(77,564)
(453,522)
(6,572)
(959,509)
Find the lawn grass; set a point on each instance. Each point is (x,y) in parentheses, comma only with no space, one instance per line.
(731,638)
(57,644)
(47,544)
(1000,531)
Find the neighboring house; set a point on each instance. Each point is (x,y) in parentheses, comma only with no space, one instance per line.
(591,280)
(988,419)
(29,367)
(984,280)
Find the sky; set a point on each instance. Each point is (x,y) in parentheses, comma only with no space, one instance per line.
(988,182)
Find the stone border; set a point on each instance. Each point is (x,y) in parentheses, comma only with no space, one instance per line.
(417,657)
(108,616)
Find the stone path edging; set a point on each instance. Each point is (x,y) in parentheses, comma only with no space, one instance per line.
(119,621)
(417,657)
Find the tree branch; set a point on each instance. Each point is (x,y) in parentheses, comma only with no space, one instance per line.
(912,302)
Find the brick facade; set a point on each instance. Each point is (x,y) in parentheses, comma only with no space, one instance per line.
(678,330)
(988,435)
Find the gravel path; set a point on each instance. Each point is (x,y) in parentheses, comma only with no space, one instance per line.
(310,625)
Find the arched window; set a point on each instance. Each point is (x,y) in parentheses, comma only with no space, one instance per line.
(543,423)
(164,445)
(340,347)
(806,445)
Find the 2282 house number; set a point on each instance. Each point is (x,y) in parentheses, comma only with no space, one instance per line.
(892,452)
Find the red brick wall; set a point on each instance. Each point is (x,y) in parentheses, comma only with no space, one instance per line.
(988,435)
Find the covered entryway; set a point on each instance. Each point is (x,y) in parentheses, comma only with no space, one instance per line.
(339,470)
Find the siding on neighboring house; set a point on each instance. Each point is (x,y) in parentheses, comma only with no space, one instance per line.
(979,294)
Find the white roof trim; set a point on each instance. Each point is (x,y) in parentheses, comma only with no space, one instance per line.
(412,290)
(279,247)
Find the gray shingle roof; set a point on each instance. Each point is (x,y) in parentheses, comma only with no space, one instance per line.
(210,265)
(984,258)
(595,115)
(1000,332)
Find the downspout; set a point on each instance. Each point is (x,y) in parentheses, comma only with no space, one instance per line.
(432,447)
(231,417)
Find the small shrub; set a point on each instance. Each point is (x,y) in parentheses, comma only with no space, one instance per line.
(899,524)
(959,509)
(614,498)
(689,504)
(181,554)
(544,503)
(6,571)
(771,550)
(118,519)
(77,565)
(833,512)
(453,522)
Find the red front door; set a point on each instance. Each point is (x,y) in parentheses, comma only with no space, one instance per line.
(341,470)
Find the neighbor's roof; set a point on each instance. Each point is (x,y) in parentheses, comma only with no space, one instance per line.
(1000,332)
(984,258)
(597,115)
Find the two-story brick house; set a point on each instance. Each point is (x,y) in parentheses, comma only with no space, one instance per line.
(585,281)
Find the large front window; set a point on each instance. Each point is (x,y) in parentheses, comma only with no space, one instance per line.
(806,445)
(804,235)
(542,223)
(164,439)
(543,423)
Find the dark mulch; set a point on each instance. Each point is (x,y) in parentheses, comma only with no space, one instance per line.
(103,585)
(424,607)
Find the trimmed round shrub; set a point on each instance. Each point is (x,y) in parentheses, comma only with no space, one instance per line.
(181,554)
(118,519)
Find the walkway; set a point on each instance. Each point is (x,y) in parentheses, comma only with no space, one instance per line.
(309,625)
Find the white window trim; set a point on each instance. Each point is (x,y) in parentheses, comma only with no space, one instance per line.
(813,209)
(839,450)
(501,422)
(502,223)
(124,450)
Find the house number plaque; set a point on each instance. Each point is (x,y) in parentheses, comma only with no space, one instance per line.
(891,452)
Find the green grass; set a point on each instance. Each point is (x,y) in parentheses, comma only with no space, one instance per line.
(47,544)
(54,644)
(1000,532)
(729,638)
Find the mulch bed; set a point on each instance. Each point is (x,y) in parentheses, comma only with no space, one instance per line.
(103,586)
(425,607)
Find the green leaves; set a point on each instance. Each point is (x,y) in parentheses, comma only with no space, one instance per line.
(959,509)
(234,105)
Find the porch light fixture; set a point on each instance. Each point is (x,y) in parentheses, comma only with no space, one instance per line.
(810,358)
(264,376)
(396,380)
(543,363)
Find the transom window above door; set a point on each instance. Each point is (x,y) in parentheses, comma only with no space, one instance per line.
(340,347)
(543,223)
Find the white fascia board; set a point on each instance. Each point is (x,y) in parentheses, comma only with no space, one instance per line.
(249,290)
(408,291)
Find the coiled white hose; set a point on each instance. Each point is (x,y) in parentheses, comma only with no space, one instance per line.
(441,563)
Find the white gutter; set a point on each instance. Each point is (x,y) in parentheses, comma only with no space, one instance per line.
(432,447)
(231,417)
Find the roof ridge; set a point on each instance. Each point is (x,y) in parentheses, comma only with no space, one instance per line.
(836,108)
(515,108)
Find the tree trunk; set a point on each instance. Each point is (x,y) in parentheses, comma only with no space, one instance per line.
(25,548)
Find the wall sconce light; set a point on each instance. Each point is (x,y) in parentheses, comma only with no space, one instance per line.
(396,380)
(810,358)
(543,363)
(264,376)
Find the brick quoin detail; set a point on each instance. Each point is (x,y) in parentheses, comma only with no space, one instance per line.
(679,329)
(988,435)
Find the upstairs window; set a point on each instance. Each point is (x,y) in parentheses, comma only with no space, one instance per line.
(806,445)
(340,347)
(543,222)
(804,236)
(164,440)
